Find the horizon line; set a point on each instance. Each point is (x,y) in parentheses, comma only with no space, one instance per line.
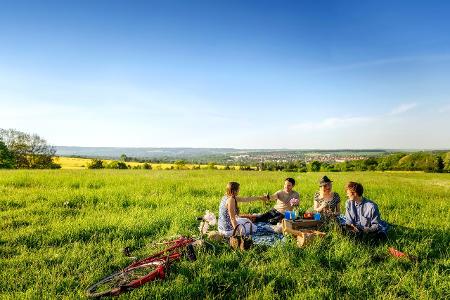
(273,149)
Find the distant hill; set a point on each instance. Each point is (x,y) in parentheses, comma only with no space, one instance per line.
(113,152)
(224,155)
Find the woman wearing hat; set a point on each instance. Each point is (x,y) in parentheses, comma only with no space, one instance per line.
(325,200)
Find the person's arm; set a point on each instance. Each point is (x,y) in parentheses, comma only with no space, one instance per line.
(316,206)
(349,223)
(231,205)
(274,196)
(375,221)
(319,208)
(250,199)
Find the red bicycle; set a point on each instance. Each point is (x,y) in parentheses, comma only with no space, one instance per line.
(150,268)
(142,271)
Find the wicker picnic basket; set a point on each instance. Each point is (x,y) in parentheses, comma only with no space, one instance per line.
(304,236)
(239,241)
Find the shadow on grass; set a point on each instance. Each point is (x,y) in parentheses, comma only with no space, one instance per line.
(418,244)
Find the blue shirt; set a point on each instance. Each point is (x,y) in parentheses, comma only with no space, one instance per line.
(364,215)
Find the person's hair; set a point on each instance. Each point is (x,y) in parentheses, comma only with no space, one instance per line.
(355,187)
(232,188)
(291,180)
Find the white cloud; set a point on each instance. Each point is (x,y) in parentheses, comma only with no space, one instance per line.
(403,108)
(352,121)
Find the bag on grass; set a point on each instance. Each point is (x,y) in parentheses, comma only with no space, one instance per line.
(239,241)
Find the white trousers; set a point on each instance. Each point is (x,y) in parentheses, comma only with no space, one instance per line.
(240,230)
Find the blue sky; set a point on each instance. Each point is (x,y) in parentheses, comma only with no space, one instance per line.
(243,74)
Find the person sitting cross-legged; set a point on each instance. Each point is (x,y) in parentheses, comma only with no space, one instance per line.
(362,217)
(286,198)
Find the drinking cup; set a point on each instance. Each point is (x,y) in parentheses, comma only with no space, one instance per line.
(317,216)
(287,215)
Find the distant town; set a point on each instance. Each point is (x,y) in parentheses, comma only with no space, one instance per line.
(266,159)
(331,156)
(220,155)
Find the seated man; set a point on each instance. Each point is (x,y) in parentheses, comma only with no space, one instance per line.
(362,217)
(283,203)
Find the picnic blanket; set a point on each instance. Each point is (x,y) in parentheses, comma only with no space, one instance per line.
(265,235)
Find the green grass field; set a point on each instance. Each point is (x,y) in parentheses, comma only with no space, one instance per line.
(62,230)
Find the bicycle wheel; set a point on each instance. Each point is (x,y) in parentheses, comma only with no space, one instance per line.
(127,279)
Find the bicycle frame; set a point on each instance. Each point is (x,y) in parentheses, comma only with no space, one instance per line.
(179,243)
(159,272)
(162,259)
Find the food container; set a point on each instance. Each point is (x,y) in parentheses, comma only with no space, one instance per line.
(308,215)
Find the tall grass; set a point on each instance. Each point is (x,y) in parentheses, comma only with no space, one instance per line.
(62,230)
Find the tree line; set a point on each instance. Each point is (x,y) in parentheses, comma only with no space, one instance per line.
(437,162)
(20,150)
(115,164)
